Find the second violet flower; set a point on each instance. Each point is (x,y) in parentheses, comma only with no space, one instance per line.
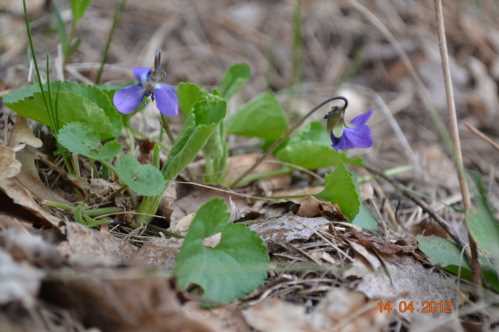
(355,135)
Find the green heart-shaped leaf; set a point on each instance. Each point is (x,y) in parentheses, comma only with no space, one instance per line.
(78,138)
(340,189)
(226,270)
(145,180)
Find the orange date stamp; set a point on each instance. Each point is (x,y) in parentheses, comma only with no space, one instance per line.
(410,306)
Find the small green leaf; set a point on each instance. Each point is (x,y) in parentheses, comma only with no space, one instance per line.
(207,114)
(232,268)
(311,149)
(446,254)
(365,220)
(262,117)
(97,95)
(145,180)
(75,103)
(483,225)
(189,94)
(109,150)
(78,138)
(20,94)
(234,79)
(78,8)
(442,252)
(340,190)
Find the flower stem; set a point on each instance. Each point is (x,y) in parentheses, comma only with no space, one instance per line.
(278,142)
(146,209)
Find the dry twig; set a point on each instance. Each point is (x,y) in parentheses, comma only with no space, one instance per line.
(454,129)
(481,135)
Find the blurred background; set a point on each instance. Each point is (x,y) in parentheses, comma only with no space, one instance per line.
(379,54)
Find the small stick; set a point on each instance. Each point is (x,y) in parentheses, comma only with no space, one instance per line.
(283,138)
(454,129)
(481,135)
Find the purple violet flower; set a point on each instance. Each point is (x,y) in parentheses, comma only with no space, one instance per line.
(343,137)
(129,98)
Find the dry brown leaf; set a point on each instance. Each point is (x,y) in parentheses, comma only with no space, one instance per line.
(349,311)
(408,280)
(29,177)
(121,301)
(24,246)
(287,227)
(158,252)
(310,207)
(23,134)
(19,281)
(9,166)
(341,310)
(181,226)
(274,315)
(228,318)
(24,142)
(22,196)
(370,258)
(190,203)
(19,176)
(382,245)
(11,220)
(87,247)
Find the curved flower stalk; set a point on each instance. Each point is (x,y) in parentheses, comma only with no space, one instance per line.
(355,135)
(128,99)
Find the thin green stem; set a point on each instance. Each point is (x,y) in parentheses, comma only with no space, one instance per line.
(120,6)
(49,93)
(97,212)
(35,62)
(166,126)
(297,43)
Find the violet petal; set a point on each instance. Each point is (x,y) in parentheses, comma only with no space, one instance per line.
(361,119)
(357,137)
(166,99)
(142,74)
(129,98)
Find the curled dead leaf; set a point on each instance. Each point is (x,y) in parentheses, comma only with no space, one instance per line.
(9,166)
(23,134)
